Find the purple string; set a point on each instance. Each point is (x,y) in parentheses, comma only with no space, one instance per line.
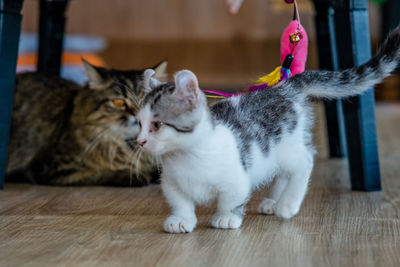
(285,74)
(253,88)
(219,93)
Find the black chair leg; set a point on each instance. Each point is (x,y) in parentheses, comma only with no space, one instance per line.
(328,60)
(51,34)
(390,19)
(390,16)
(10,29)
(353,44)
(335,127)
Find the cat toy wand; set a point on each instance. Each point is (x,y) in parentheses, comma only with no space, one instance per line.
(294,50)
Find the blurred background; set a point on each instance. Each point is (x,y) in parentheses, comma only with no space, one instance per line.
(227,52)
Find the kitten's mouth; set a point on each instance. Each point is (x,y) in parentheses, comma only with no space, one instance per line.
(131,142)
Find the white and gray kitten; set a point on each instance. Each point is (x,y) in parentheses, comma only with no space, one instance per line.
(244,142)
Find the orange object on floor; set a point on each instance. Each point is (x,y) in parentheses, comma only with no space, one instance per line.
(69,58)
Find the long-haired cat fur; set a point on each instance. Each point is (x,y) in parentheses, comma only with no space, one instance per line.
(243,142)
(66,134)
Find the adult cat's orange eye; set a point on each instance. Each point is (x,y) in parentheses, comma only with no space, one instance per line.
(119,103)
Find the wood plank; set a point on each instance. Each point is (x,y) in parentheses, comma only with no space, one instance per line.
(218,64)
(175,19)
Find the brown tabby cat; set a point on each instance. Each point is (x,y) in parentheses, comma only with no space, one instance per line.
(66,134)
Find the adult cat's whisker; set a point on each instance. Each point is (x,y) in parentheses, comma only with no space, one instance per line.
(129,92)
(138,164)
(93,143)
(136,156)
(95,139)
(129,89)
(111,153)
(158,162)
(132,155)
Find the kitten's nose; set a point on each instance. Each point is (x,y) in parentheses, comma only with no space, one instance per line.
(142,142)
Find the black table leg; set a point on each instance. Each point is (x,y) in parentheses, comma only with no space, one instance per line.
(51,33)
(328,60)
(10,29)
(353,44)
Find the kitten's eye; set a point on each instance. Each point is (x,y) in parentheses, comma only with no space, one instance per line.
(119,103)
(156,125)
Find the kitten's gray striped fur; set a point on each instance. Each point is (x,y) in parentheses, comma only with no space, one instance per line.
(263,115)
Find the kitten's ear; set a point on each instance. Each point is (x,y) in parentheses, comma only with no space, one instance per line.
(149,83)
(95,79)
(187,88)
(161,70)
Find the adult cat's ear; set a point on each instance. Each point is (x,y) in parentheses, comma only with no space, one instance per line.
(149,83)
(161,70)
(95,79)
(187,88)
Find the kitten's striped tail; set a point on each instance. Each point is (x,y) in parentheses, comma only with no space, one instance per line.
(349,82)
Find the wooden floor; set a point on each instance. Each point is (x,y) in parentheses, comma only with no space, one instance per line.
(83,226)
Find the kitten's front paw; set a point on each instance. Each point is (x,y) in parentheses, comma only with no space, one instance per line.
(177,224)
(226,221)
(286,210)
(267,206)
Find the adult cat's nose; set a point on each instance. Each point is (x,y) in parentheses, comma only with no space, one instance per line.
(142,142)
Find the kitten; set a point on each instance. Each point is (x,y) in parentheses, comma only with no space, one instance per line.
(66,134)
(242,143)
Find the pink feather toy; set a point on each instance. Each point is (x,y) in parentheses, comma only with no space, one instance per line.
(299,51)
(294,50)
